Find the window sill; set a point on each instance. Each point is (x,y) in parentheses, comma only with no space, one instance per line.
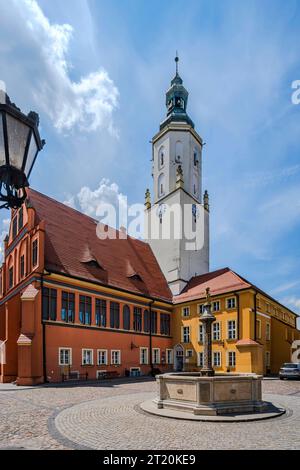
(87,365)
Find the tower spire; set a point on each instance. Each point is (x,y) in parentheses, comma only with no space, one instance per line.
(176,62)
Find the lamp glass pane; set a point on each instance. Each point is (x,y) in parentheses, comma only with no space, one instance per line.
(31,155)
(17,138)
(2,149)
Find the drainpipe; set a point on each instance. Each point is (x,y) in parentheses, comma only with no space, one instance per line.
(44,329)
(150,336)
(238,316)
(255,315)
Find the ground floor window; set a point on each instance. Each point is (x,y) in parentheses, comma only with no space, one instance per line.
(143,355)
(268,359)
(87,357)
(189,353)
(200,359)
(65,356)
(169,356)
(116,357)
(102,357)
(231,358)
(156,355)
(135,372)
(217,359)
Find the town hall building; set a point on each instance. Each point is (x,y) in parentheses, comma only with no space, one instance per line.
(74,306)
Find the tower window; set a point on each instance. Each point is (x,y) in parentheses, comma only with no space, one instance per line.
(161,187)
(196,161)
(161,157)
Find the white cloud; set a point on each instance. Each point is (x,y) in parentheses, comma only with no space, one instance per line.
(293,302)
(86,104)
(91,202)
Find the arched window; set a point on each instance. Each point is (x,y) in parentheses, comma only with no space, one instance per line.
(161,157)
(126,317)
(161,185)
(196,159)
(178,152)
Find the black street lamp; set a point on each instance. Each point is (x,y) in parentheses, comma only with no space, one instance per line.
(20,144)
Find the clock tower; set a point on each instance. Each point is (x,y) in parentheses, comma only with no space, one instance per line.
(177,223)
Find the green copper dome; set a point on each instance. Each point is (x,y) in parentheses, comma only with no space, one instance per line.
(176,102)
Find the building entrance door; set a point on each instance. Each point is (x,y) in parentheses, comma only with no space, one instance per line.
(178,358)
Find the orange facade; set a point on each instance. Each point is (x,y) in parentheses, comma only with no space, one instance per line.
(55,326)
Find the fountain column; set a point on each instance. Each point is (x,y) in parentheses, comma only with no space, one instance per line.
(207,318)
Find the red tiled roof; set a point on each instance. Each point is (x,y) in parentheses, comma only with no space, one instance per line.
(219,282)
(73,248)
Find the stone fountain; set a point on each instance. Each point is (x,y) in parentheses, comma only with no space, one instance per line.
(209,394)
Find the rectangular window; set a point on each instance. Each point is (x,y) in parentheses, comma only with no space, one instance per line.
(15,227)
(201,333)
(115,358)
(34,253)
(100,312)
(169,356)
(49,304)
(189,353)
(102,357)
(231,358)
(231,303)
(231,329)
(143,355)
(186,311)
(216,331)
(137,319)
(87,357)
(114,315)
(165,324)
(85,310)
(146,321)
(200,359)
(186,334)
(216,306)
(156,355)
(268,332)
(11,277)
(68,307)
(65,357)
(20,222)
(200,309)
(154,323)
(268,359)
(258,329)
(22,267)
(217,359)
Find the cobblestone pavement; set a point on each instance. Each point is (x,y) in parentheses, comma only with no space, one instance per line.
(107,416)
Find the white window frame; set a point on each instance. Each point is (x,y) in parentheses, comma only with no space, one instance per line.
(229,299)
(201,333)
(186,311)
(112,355)
(229,353)
(200,308)
(169,359)
(100,372)
(144,360)
(186,335)
(106,355)
(200,354)
(153,356)
(70,356)
(213,306)
(189,353)
(83,351)
(229,330)
(219,355)
(216,335)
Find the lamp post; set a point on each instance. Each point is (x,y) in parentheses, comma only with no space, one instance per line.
(207,318)
(20,144)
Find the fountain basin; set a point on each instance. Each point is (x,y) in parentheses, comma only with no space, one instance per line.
(221,394)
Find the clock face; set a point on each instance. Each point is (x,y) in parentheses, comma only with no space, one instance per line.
(161,210)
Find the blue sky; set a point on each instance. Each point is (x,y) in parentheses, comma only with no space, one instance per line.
(97,71)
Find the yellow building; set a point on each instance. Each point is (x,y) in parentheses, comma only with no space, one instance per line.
(252,332)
